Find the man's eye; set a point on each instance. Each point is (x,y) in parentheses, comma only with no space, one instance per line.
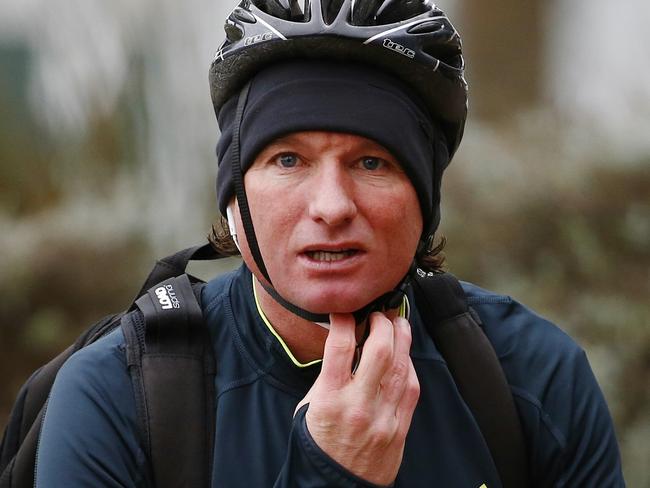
(372,164)
(287,160)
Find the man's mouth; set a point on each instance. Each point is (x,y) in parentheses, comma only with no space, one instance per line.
(331,256)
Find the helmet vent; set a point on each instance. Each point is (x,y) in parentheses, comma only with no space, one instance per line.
(293,10)
(364,12)
(276,8)
(331,9)
(427,27)
(391,11)
(243,15)
(300,13)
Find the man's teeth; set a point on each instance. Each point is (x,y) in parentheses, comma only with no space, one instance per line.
(330,256)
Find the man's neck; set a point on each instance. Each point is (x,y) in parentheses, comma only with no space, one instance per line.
(304,339)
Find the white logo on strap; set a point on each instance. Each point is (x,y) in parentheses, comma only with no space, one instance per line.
(167,297)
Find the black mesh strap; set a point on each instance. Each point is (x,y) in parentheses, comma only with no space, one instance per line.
(475,367)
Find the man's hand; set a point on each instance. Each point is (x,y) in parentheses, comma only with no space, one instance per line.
(361,420)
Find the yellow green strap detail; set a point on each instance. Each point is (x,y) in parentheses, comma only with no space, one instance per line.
(403,312)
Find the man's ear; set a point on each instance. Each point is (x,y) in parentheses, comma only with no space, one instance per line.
(231,222)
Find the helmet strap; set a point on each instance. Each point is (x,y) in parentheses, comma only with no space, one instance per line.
(238,181)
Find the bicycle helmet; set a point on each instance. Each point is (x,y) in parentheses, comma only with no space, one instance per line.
(412,39)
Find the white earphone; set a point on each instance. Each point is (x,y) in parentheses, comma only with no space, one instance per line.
(231,226)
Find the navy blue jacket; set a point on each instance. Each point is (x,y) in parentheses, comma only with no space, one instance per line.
(89,436)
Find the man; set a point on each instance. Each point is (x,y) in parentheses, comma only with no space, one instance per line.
(337,123)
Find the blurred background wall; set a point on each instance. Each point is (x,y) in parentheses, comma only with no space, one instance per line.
(107,161)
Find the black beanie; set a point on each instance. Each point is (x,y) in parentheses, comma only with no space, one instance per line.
(309,95)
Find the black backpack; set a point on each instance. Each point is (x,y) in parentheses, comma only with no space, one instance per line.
(172,367)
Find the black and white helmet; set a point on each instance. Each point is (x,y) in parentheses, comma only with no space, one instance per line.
(412,39)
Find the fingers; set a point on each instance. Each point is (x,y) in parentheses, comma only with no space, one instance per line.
(408,401)
(394,382)
(377,354)
(385,369)
(339,351)
(362,420)
(387,375)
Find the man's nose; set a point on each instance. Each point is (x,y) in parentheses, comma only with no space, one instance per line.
(332,198)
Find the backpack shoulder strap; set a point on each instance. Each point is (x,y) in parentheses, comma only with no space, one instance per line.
(475,367)
(175,265)
(172,367)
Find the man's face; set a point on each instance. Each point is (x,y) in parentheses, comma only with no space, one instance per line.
(336,218)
